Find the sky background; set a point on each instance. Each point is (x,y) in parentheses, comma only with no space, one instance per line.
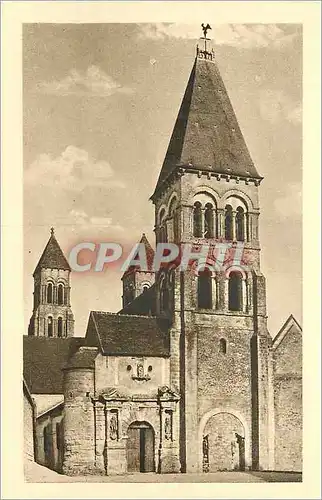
(100,102)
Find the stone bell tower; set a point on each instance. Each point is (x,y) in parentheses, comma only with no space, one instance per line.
(136,281)
(207,194)
(52,314)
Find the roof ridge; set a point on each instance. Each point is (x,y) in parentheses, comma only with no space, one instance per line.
(122,315)
(283,331)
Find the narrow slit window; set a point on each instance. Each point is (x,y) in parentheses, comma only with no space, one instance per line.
(223,346)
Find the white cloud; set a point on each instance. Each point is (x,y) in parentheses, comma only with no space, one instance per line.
(93,82)
(80,217)
(275,105)
(295,115)
(237,35)
(291,203)
(73,169)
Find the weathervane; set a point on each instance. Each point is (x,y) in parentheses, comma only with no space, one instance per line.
(204,54)
(204,37)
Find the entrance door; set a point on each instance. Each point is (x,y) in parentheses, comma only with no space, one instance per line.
(140,448)
(223,445)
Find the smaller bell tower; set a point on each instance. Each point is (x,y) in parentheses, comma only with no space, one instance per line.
(52,314)
(136,281)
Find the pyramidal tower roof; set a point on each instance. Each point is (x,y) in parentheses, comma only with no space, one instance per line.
(149,252)
(52,257)
(206,134)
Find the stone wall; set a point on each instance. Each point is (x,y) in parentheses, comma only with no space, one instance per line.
(42,309)
(50,453)
(28,425)
(132,374)
(79,451)
(288,400)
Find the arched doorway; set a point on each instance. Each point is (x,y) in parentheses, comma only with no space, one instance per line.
(223,443)
(140,447)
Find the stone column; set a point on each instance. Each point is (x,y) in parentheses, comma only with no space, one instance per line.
(202,222)
(249,294)
(169,460)
(116,445)
(214,292)
(217,286)
(226,293)
(220,223)
(244,295)
(247,227)
(99,422)
(234,224)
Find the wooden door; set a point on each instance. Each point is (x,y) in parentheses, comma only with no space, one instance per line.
(140,448)
(133,449)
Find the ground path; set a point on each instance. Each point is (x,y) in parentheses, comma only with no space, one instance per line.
(35,473)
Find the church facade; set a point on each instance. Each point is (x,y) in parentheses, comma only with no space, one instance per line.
(186,377)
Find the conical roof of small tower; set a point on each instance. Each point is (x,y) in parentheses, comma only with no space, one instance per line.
(206,135)
(149,252)
(52,257)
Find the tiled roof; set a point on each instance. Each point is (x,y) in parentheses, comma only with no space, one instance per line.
(52,257)
(143,305)
(83,358)
(127,335)
(149,252)
(206,135)
(43,360)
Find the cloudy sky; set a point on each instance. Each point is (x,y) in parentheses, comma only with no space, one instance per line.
(100,101)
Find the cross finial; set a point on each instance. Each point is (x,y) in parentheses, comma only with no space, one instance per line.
(52,231)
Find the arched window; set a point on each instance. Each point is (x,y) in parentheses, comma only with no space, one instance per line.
(50,326)
(60,294)
(162,227)
(145,287)
(60,327)
(228,222)
(173,213)
(222,346)
(129,293)
(164,297)
(66,296)
(58,436)
(197,220)
(204,289)
(161,216)
(240,224)
(235,292)
(209,221)
(49,293)
(176,225)
(46,437)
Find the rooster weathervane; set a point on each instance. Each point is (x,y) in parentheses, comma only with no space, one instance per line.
(205,28)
